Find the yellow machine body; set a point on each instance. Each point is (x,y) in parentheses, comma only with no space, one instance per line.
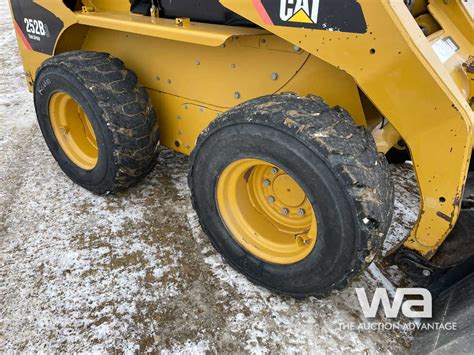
(389,78)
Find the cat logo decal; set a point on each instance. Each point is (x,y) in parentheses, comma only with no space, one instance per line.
(328,15)
(302,11)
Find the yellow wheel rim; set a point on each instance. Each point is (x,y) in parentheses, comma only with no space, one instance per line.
(266,211)
(73,131)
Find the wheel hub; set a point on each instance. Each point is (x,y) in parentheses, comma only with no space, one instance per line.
(287,191)
(266,211)
(73,130)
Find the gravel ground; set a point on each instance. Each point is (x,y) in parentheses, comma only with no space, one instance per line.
(134,271)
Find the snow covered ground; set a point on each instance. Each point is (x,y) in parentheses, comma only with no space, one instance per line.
(134,271)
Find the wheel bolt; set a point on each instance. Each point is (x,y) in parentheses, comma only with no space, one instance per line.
(285,211)
(307,241)
(271,199)
(266,182)
(274,170)
(301,212)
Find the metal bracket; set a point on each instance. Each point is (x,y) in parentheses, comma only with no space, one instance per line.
(426,274)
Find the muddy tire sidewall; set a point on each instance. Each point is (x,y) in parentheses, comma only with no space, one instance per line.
(337,237)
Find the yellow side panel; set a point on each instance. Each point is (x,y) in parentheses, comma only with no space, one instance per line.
(190,84)
(221,76)
(181,120)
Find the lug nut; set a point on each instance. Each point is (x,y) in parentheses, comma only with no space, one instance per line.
(285,211)
(301,212)
(266,182)
(271,199)
(307,241)
(274,170)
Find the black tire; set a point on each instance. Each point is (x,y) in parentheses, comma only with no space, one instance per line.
(335,162)
(118,109)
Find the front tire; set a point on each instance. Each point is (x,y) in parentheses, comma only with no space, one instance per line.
(321,154)
(96,119)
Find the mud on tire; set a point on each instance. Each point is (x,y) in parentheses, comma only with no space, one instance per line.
(336,163)
(118,109)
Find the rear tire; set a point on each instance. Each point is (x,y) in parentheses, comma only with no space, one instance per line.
(119,113)
(336,165)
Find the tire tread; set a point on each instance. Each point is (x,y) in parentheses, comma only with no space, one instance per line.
(125,107)
(350,150)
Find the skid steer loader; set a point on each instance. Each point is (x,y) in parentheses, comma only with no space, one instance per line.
(288,109)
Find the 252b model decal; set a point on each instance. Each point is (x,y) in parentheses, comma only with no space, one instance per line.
(37,27)
(329,15)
